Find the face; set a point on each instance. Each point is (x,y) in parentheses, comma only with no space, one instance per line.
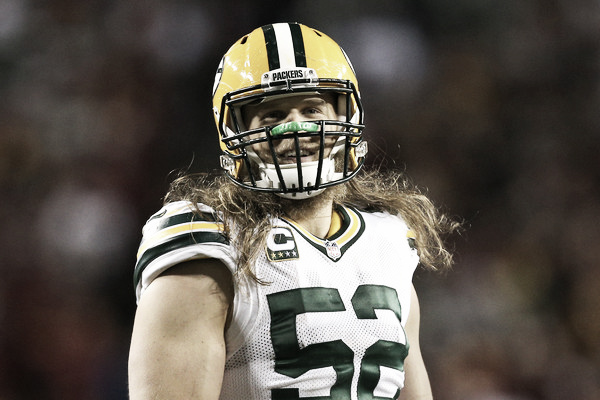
(298,108)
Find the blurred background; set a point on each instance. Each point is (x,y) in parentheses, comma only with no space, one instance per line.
(491,106)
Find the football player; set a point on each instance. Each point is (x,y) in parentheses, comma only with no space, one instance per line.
(290,275)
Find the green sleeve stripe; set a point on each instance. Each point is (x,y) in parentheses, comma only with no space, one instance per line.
(175,243)
(185,218)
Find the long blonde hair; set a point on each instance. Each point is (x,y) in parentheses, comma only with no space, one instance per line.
(251,211)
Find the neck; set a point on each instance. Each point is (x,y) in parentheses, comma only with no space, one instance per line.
(313,214)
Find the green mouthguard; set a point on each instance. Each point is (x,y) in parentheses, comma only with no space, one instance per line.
(295,126)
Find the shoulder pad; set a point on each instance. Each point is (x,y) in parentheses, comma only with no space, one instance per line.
(178,213)
(176,226)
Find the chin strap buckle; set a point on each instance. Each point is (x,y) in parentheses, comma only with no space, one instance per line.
(227,164)
(362,149)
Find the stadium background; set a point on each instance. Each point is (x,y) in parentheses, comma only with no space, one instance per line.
(492,106)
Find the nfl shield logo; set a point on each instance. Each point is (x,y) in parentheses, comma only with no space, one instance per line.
(333,250)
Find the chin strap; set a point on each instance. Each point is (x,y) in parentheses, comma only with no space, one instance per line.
(289,173)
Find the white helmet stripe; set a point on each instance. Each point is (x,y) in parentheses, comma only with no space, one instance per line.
(285,46)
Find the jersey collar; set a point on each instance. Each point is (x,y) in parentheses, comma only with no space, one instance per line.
(352,225)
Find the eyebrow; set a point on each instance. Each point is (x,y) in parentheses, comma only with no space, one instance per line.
(314,100)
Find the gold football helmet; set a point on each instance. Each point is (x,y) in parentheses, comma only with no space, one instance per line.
(277,61)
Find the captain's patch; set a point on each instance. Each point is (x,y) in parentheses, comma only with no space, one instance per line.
(281,245)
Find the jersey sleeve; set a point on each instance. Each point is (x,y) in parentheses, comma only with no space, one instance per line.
(175,234)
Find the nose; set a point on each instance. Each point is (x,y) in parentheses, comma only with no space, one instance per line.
(293,115)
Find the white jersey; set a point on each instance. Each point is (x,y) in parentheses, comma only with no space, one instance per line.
(330,321)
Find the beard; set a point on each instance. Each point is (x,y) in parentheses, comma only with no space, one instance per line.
(311,205)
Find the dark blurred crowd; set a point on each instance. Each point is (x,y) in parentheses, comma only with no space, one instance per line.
(492,107)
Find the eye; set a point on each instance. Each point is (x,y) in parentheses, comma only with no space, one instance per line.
(271,117)
(314,112)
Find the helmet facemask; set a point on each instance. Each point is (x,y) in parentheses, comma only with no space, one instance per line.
(299,158)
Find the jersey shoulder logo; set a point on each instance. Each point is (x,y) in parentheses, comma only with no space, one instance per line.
(281,245)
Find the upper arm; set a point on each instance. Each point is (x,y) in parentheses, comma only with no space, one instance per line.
(178,340)
(416,385)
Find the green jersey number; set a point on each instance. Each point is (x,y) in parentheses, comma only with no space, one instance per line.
(292,361)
